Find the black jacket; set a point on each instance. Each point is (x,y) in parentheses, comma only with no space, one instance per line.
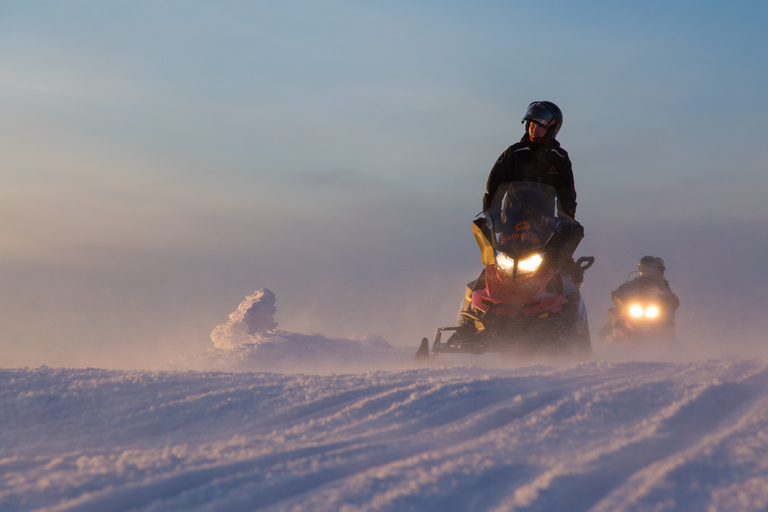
(544,162)
(648,287)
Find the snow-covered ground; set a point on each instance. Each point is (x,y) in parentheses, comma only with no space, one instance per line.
(600,436)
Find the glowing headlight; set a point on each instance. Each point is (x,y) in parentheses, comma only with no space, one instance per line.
(504,262)
(526,266)
(637,311)
(529,265)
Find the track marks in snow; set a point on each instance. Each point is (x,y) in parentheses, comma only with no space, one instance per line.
(619,474)
(436,416)
(597,436)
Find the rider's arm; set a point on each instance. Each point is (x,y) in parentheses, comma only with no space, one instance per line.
(502,171)
(566,190)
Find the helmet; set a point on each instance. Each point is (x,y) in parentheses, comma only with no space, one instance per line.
(549,113)
(650,265)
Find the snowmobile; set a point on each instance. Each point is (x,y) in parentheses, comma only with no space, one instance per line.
(527,299)
(643,315)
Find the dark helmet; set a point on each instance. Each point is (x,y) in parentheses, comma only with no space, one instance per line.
(650,265)
(549,113)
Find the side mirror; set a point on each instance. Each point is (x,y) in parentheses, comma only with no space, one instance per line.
(585,262)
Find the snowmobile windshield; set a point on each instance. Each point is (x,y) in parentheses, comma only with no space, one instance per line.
(523,216)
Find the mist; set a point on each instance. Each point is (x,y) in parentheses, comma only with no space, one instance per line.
(134,310)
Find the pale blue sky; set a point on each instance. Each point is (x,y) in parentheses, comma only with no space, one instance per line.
(162,159)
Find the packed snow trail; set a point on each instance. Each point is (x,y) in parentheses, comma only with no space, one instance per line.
(597,436)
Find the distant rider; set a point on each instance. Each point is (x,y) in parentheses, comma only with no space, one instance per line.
(538,157)
(651,283)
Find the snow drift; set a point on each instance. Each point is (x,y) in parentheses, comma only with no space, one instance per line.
(250,341)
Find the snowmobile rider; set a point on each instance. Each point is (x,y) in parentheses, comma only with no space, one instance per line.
(650,282)
(538,157)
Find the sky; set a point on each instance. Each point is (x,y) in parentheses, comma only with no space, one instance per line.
(162,160)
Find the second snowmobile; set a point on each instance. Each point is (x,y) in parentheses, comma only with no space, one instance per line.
(527,300)
(643,311)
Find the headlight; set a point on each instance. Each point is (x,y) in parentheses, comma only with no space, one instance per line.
(504,262)
(639,311)
(526,266)
(530,265)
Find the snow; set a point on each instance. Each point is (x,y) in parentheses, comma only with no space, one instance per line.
(222,432)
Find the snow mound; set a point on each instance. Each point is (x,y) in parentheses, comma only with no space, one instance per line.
(250,341)
(287,352)
(253,316)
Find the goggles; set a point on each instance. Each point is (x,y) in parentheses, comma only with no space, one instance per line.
(540,114)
